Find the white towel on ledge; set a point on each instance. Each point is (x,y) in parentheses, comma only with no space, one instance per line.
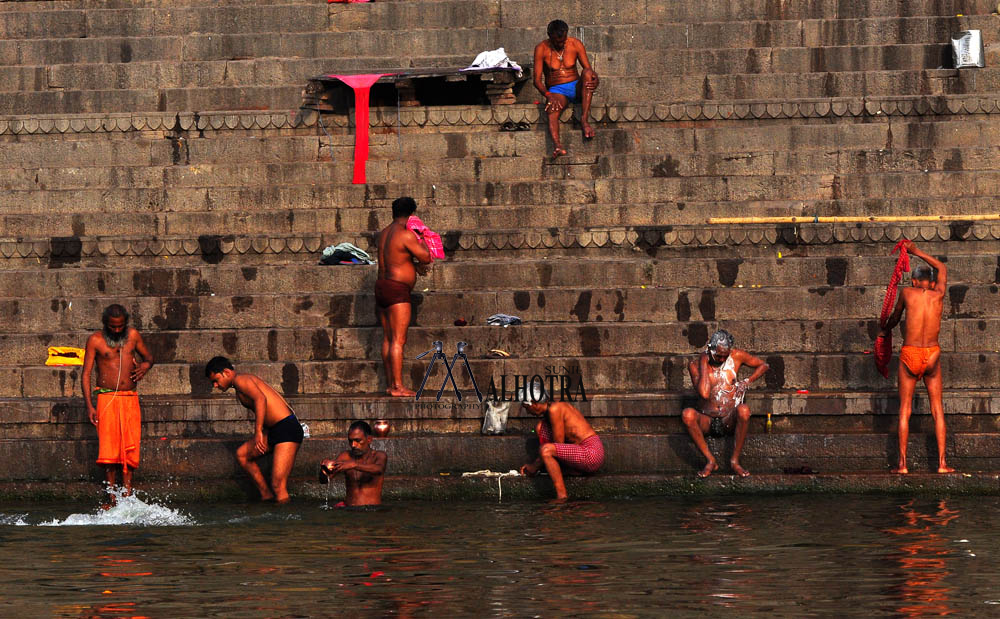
(495,59)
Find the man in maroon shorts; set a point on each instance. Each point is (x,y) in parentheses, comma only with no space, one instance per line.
(400,257)
(564,436)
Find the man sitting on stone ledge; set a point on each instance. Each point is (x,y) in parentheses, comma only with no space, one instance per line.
(565,437)
(722,410)
(362,466)
(556,77)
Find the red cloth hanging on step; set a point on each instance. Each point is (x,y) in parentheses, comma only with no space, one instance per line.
(883,345)
(361,84)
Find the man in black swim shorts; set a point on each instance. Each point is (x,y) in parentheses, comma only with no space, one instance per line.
(284,432)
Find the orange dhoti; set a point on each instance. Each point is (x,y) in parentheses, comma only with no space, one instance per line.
(118,428)
(915,358)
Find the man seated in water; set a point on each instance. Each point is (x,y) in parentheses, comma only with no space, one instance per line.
(284,432)
(564,437)
(721,410)
(362,466)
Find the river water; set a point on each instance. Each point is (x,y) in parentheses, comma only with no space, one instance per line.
(789,556)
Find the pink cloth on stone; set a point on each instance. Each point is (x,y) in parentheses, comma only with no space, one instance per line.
(427,236)
(361,84)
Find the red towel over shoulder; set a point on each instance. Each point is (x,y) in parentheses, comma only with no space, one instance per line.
(883,345)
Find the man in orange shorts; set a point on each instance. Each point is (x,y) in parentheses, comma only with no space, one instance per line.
(920,356)
(114,405)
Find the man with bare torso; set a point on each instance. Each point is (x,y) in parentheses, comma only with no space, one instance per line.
(114,405)
(271,413)
(565,437)
(722,410)
(556,77)
(401,256)
(362,466)
(920,355)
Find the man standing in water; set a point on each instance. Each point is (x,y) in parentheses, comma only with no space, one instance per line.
(920,355)
(401,256)
(271,412)
(565,437)
(116,412)
(556,77)
(362,466)
(722,410)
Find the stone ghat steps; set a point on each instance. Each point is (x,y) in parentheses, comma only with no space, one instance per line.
(619,374)
(618,244)
(58,20)
(592,338)
(815,412)
(213,458)
(716,88)
(199,221)
(863,267)
(290,71)
(383,24)
(504,170)
(529,13)
(338,225)
(472,132)
(743,310)
(882,186)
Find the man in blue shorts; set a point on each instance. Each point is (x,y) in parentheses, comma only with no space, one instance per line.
(557,79)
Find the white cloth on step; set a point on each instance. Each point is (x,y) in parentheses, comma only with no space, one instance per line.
(493,59)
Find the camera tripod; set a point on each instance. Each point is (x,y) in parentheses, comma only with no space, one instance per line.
(439,354)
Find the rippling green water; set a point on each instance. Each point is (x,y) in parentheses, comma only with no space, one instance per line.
(787,556)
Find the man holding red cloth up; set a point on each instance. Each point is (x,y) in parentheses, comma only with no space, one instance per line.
(920,356)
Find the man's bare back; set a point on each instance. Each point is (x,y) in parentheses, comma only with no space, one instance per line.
(923,307)
(246,385)
(920,355)
(568,422)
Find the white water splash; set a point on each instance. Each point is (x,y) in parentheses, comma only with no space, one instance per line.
(128,510)
(16,520)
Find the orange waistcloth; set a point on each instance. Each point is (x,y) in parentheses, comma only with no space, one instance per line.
(118,428)
(916,357)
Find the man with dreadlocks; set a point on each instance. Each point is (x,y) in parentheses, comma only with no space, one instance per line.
(721,411)
(122,360)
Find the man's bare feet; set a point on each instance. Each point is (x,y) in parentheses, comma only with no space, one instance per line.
(945,469)
(266,498)
(739,470)
(559,500)
(400,392)
(902,470)
(558,152)
(708,470)
(588,131)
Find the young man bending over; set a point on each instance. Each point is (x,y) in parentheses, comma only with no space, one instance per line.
(275,427)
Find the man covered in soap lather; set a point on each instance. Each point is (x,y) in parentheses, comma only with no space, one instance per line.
(721,411)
